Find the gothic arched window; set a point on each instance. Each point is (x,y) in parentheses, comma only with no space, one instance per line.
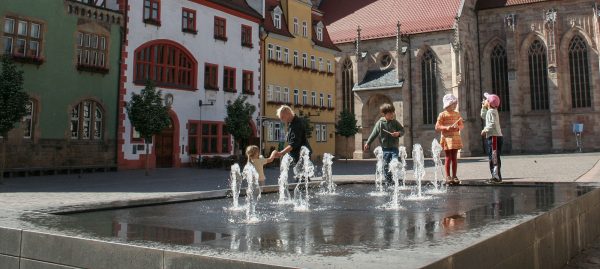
(499,64)
(580,73)
(347,85)
(538,76)
(429,85)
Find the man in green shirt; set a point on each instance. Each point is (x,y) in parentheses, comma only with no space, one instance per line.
(389,130)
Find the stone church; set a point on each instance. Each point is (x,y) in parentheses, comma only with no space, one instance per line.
(540,56)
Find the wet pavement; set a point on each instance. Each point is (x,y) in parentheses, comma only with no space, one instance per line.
(22,195)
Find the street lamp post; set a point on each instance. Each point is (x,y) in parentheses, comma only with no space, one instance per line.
(260,120)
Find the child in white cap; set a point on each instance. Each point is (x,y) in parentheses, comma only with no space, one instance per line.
(449,123)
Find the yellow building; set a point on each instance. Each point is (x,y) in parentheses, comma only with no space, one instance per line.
(298,62)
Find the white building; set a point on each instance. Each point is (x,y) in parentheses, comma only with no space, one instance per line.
(197,52)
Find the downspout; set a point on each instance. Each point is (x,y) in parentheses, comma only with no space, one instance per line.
(263,89)
(410,90)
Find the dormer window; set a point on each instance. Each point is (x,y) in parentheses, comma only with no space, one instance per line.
(320,31)
(277,17)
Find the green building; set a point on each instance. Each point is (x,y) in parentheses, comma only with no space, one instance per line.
(70,54)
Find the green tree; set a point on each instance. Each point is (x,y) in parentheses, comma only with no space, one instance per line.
(308,126)
(346,127)
(239,115)
(148,114)
(13,102)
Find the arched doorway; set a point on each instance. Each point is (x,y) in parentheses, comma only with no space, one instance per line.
(164,147)
(371,114)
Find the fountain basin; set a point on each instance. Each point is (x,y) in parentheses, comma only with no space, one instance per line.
(468,227)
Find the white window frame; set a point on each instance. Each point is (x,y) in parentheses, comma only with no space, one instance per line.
(276,131)
(286,55)
(286,95)
(329,70)
(295,26)
(321,64)
(270,131)
(270,51)
(270,93)
(313,98)
(324,133)
(304,60)
(304,29)
(318,132)
(320,33)
(278,53)
(304,97)
(313,62)
(296,97)
(277,20)
(329,101)
(296,63)
(321,100)
(277,94)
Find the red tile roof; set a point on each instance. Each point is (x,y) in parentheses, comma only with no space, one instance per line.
(378,18)
(487,4)
(268,22)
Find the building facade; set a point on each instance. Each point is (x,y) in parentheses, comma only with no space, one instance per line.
(540,56)
(202,54)
(69,52)
(298,71)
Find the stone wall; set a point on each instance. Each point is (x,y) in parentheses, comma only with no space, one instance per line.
(55,153)
(544,130)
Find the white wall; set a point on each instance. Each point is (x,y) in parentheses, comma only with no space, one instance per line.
(205,49)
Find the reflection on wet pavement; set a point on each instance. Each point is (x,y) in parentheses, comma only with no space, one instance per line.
(336,225)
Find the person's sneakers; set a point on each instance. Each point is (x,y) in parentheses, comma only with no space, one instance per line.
(449,181)
(496,173)
(455,181)
(495,180)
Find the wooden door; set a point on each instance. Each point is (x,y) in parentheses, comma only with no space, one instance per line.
(164,148)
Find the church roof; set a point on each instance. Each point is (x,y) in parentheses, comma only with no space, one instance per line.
(379,79)
(487,4)
(378,18)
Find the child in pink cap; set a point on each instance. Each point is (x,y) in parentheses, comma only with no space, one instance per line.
(493,134)
(449,123)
